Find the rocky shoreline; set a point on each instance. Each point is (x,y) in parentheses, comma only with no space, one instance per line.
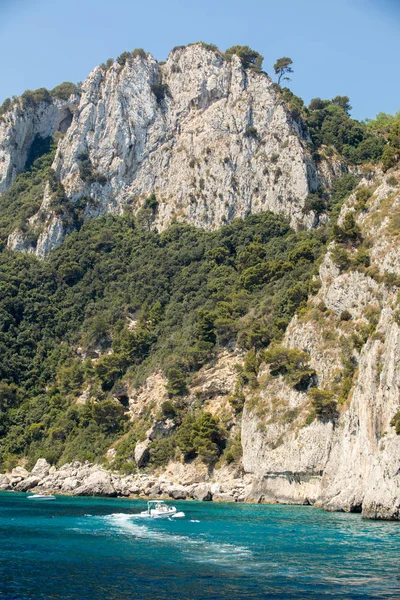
(87,479)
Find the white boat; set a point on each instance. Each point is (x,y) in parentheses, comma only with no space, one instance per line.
(157,509)
(42,497)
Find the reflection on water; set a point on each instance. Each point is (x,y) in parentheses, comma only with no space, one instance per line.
(96,548)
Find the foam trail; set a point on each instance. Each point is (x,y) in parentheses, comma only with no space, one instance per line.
(198,550)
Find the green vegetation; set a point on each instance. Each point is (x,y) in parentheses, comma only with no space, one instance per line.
(395,422)
(282,67)
(349,231)
(233,452)
(145,301)
(391,154)
(31,98)
(292,364)
(383,123)
(200,435)
(126,56)
(190,292)
(87,172)
(64,90)
(210,47)
(25,196)
(321,201)
(197,435)
(5,106)
(324,405)
(329,123)
(250,58)
(251,132)
(388,126)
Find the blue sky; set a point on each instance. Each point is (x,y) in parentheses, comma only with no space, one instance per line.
(346,47)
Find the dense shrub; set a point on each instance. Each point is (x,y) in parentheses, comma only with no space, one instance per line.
(251,132)
(324,404)
(64,90)
(31,98)
(139,52)
(123,57)
(250,59)
(201,436)
(5,107)
(349,231)
(176,381)
(395,422)
(125,453)
(292,364)
(86,170)
(341,189)
(161,451)
(329,123)
(294,103)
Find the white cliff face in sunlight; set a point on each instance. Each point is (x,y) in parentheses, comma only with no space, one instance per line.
(211,140)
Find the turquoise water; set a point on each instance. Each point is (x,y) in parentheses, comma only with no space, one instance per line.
(85,548)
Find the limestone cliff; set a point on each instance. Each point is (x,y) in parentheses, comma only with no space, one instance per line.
(210,139)
(351,462)
(21,124)
(201,139)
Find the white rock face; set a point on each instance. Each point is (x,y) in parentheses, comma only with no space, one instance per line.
(41,468)
(191,149)
(18,129)
(97,484)
(219,145)
(364,467)
(352,464)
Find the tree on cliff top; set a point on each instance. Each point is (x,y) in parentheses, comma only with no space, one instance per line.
(282,67)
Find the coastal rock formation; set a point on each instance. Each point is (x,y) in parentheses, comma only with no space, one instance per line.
(97,484)
(87,479)
(212,140)
(200,139)
(350,462)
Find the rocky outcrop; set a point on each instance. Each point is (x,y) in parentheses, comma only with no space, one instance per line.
(41,468)
(93,480)
(351,462)
(202,492)
(141,454)
(97,484)
(22,124)
(211,140)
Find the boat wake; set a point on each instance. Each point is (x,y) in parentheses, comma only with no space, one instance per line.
(198,549)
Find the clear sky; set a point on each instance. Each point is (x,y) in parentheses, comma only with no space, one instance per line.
(346,47)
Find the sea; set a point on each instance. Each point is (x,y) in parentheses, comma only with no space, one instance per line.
(98,548)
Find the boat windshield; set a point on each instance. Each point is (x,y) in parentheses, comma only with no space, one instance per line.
(157,505)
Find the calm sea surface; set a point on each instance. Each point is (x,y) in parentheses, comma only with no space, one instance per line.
(84,548)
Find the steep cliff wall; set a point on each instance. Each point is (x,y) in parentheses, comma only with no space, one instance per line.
(212,140)
(19,127)
(200,139)
(204,149)
(350,462)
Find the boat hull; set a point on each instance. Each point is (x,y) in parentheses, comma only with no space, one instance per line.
(42,497)
(156,514)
